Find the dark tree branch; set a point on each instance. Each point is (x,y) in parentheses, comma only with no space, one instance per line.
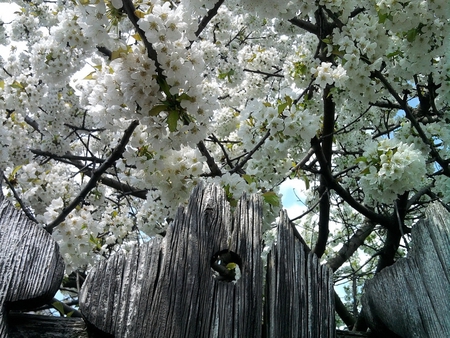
(105,51)
(224,151)
(342,192)
(262,73)
(66,309)
(343,312)
(69,157)
(410,116)
(304,160)
(25,209)
(124,188)
(96,175)
(213,167)
(206,19)
(306,25)
(327,148)
(351,245)
(240,165)
(129,8)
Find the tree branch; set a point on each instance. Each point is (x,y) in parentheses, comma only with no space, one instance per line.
(327,147)
(262,73)
(341,191)
(25,209)
(349,247)
(66,309)
(76,161)
(409,115)
(206,19)
(96,175)
(238,167)
(128,7)
(225,154)
(308,26)
(213,167)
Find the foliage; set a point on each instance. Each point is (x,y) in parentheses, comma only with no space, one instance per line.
(112,111)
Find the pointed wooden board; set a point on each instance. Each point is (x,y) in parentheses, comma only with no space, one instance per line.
(166,288)
(412,297)
(31,267)
(299,290)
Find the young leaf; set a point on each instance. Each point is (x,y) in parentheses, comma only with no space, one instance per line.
(157,109)
(271,198)
(172,120)
(58,306)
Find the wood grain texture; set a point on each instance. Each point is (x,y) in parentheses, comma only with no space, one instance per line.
(31,267)
(299,291)
(35,326)
(412,297)
(166,288)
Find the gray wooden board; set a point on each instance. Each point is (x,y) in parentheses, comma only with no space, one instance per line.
(35,326)
(299,291)
(166,288)
(412,297)
(31,267)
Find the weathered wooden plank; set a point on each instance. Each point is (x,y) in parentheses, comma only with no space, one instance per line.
(117,292)
(35,326)
(412,297)
(168,289)
(299,292)
(31,267)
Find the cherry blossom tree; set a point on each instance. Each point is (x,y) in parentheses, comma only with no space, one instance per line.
(113,110)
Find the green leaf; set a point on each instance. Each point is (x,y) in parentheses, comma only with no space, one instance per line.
(90,76)
(139,14)
(95,241)
(248,178)
(172,120)
(231,266)
(184,97)
(58,306)
(306,180)
(362,159)
(17,85)
(157,109)
(411,35)
(271,198)
(164,86)
(117,53)
(230,199)
(14,172)
(288,100)
(394,54)
(137,37)
(282,107)
(226,75)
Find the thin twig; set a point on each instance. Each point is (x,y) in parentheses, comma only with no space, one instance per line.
(96,175)
(262,73)
(238,167)
(25,209)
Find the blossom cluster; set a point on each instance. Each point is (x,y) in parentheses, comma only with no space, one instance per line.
(248,83)
(390,168)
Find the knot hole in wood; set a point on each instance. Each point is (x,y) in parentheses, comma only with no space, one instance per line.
(226,266)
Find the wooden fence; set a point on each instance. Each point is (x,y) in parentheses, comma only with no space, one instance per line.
(205,278)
